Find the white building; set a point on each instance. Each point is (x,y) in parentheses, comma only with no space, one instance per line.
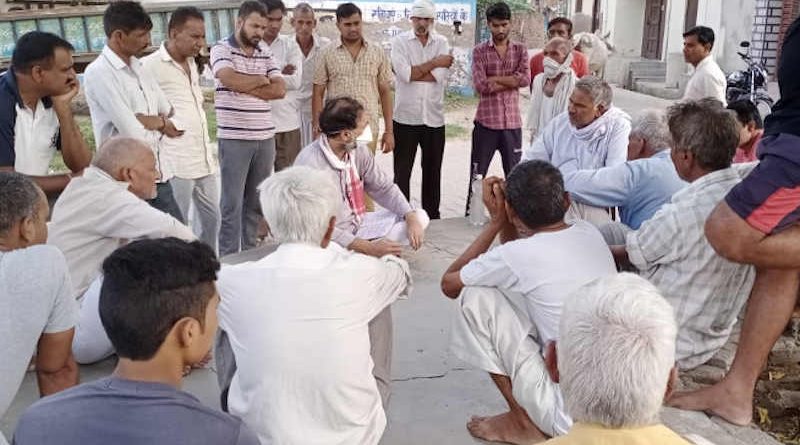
(651,30)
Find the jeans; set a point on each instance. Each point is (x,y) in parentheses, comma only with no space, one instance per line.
(203,192)
(165,201)
(243,166)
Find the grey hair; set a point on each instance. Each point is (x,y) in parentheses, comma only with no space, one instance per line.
(598,89)
(302,8)
(705,128)
(19,197)
(615,352)
(651,125)
(560,43)
(298,204)
(119,152)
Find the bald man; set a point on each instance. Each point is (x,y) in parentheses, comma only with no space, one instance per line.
(98,212)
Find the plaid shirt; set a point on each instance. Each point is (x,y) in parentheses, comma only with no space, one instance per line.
(706,291)
(499,110)
(359,78)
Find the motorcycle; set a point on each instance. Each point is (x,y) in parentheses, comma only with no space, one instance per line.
(750,83)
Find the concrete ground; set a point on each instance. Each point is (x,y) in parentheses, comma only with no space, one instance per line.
(433,393)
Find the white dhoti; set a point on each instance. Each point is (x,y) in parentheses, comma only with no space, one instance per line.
(492,331)
(90,343)
(598,216)
(385,224)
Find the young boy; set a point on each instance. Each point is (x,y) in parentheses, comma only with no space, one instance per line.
(158,305)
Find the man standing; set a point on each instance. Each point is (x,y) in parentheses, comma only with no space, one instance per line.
(284,111)
(561,27)
(359,69)
(499,69)
(708,80)
(123,100)
(304,23)
(39,310)
(420,58)
(35,116)
(191,155)
(247,78)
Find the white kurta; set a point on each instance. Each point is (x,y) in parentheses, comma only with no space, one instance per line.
(297,322)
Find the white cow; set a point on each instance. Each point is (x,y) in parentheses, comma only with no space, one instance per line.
(597,48)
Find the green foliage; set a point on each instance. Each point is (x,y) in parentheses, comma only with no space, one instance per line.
(85,125)
(453,131)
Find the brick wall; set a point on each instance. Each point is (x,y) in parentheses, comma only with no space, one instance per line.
(791,9)
(772,17)
(766,31)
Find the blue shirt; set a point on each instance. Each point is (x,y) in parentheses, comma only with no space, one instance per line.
(126,412)
(639,188)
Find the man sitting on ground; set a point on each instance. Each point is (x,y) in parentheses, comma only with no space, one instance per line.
(706,291)
(158,304)
(615,363)
(297,322)
(751,131)
(592,133)
(353,169)
(638,187)
(541,258)
(36,302)
(97,213)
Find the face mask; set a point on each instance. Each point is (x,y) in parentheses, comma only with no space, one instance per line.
(552,68)
(351,145)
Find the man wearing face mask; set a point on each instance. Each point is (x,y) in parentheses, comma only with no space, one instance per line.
(123,100)
(352,168)
(551,89)
(561,27)
(591,134)
(420,58)
(191,156)
(97,213)
(248,77)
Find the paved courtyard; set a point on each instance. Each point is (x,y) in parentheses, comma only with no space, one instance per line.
(434,394)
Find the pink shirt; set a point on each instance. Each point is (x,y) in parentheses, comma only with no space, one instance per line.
(747,152)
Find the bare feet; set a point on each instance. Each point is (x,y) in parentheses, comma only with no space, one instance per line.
(512,427)
(726,400)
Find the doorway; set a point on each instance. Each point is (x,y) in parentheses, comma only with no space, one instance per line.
(652,37)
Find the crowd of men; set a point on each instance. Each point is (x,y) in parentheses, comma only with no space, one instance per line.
(700,202)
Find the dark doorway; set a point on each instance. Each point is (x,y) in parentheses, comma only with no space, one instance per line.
(691,15)
(652,37)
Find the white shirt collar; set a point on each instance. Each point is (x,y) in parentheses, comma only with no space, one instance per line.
(116,61)
(93,172)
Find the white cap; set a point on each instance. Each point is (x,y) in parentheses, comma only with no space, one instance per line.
(423,9)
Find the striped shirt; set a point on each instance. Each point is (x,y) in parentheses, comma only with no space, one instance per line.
(241,115)
(358,78)
(706,291)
